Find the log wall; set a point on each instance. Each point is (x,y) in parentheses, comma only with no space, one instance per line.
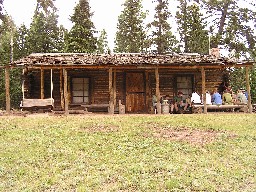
(99,83)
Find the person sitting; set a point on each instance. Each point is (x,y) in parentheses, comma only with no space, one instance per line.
(195,98)
(178,103)
(216,97)
(234,97)
(227,98)
(241,98)
(208,98)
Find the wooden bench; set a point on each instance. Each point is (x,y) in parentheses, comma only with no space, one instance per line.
(198,108)
(37,103)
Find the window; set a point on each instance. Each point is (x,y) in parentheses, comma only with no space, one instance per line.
(185,84)
(80,90)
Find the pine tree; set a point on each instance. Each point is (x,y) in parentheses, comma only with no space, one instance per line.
(192,28)
(44,32)
(102,44)
(232,25)
(162,36)
(81,36)
(20,44)
(46,5)
(130,35)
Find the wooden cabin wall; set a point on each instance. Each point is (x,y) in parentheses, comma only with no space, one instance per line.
(120,87)
(32,84)
(213,79)
(99,83)
(167,80)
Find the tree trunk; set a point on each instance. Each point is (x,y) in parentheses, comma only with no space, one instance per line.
(224,13)
(7,89)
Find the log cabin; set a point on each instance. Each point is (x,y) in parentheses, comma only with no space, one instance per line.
(109,81)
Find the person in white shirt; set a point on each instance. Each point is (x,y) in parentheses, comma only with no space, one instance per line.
(195,98)
(208,98)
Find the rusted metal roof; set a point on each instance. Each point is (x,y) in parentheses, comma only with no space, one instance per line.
(127,59)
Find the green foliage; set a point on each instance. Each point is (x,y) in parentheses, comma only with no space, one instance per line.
(113,153)
(102,43)
(237,80)
(162,37)
(44,34)
(192,28)
(130,35)
(81,38)
(9,32)
(1,10)
(232,25)
(46,5)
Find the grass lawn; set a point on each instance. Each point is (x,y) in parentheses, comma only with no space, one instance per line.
(198,152)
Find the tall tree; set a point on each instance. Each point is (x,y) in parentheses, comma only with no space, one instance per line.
(20,43)
(162,36)
(102,44)
(7,54)
(44,32)
(232,25)
(81,36)
(46,5)
(192,28)
(130,35)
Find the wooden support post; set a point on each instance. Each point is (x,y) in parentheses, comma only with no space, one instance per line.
(42,83)
(147,92)
(23,84)
(66,90)
(111,93)
(203,90)
(158,105)
(114,88)
(248,89)
(62,102)
(7,89)
(51,84)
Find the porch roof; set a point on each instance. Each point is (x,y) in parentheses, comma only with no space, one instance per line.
(83,60)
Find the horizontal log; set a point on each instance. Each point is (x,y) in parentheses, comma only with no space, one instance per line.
(95,105)
(220,106)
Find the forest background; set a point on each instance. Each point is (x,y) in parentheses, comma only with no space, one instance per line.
(194,27)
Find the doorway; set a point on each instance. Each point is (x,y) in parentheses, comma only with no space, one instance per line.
(135,92)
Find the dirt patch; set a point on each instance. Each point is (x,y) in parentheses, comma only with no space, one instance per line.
(196,137)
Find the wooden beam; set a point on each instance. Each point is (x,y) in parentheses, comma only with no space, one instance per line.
(158,96)
(51,83)
(23,84)
(7,89)
(62,102)
(148,102)
(153,67)
(114,87)
(203,90)
(66,91)
(42,83)
(111,93)
(248,88)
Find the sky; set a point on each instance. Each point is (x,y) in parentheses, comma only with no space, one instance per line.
(106,13)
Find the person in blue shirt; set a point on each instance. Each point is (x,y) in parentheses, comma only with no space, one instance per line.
(216,98)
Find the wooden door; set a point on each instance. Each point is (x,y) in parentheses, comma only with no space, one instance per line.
(135,92)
